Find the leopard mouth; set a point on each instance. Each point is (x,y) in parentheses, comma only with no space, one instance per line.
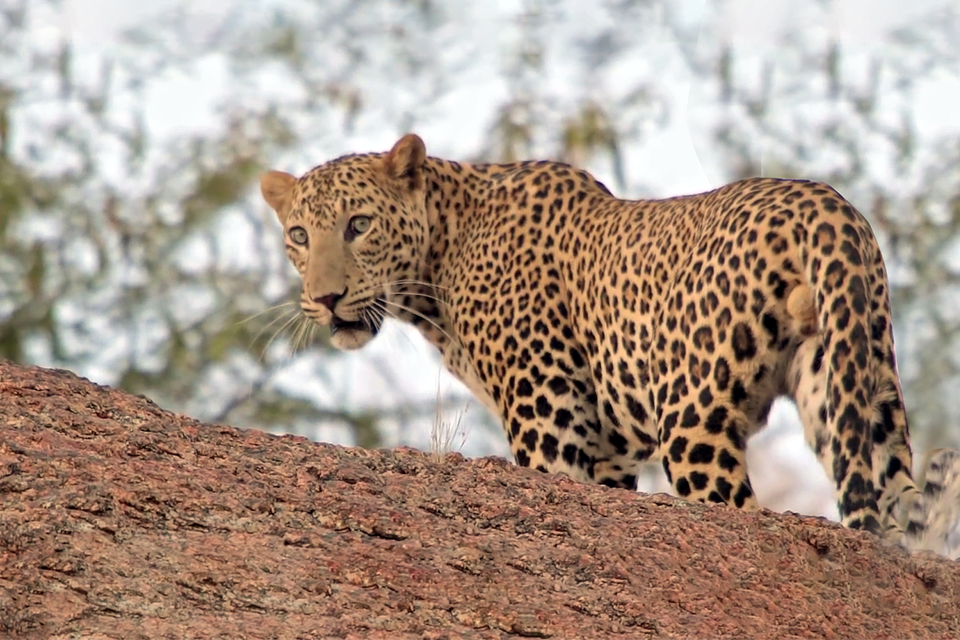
(339,324)
(371,320)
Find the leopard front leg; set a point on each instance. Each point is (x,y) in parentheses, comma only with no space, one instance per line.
(547,410)
(550,431)
(550,417)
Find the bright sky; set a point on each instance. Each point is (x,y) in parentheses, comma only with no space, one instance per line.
(95,22)
(669,157)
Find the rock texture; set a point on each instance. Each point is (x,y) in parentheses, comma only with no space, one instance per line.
(121,520)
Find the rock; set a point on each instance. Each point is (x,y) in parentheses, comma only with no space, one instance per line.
(121,520)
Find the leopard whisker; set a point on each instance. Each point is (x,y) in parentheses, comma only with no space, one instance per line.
(267,310)
(379,288)
(294,318)
(420,315)
(299,337)
(414,294)
(280,317)
(406,281)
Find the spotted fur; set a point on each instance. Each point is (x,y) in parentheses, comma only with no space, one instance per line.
(933,522)
(604,331)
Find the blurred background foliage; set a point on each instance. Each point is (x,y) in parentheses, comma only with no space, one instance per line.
(134,248)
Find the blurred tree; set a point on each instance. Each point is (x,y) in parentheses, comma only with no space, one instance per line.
(141,255)
(145,262)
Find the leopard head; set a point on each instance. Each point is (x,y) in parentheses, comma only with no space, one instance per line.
(356,229)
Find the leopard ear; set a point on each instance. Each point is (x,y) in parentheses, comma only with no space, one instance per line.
(405,161)
(277,189)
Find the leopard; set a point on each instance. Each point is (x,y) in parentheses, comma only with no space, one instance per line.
(607,333)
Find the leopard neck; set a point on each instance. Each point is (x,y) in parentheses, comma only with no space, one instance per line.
(453,191)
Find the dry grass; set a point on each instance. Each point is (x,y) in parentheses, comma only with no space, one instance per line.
(447,434)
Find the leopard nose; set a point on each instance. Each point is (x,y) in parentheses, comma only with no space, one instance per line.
(329,301)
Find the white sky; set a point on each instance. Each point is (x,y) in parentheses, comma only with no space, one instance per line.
(96,22)
(668,157)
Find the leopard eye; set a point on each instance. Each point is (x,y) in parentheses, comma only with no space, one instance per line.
(298,235)
(359,224)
